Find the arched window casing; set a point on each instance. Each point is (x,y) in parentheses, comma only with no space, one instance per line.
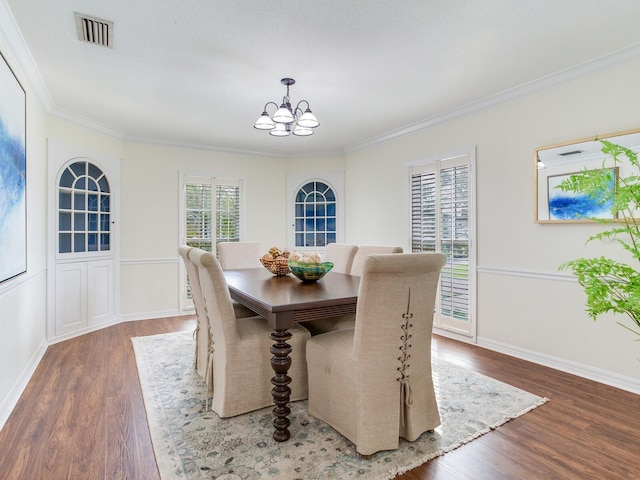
(84,209)
(315,215)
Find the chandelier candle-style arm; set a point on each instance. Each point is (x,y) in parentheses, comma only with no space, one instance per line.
(286,119)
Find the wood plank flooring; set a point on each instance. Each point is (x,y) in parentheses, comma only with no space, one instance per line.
(82,417)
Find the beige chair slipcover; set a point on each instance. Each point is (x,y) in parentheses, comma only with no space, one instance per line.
(239,255)
(202,322)
(240,361)
(373,383)
(364,251)
(324,325)
(341,255)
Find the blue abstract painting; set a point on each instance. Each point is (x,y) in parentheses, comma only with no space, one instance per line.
(13,171)
(574,206)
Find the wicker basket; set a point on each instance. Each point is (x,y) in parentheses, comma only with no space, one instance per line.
(280,268)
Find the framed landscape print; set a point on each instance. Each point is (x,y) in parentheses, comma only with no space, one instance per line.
(13,175)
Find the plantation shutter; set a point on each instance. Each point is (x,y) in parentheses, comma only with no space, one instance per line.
(423,212)
(440,206)
(203,211)
(227,212)
(211,213)
(198,214)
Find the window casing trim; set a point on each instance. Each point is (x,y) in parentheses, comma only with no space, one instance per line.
(435,163)
(335,180)
(186,177)
(102,215)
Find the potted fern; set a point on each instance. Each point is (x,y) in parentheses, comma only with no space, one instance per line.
(610,285)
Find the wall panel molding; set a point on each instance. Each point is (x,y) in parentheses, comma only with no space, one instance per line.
(21,280)
(556,277)
(149,261)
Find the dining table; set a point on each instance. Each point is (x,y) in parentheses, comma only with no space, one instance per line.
(284,301)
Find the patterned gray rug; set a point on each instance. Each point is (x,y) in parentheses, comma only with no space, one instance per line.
(191,443)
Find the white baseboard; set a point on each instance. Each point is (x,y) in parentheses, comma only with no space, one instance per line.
(83,331)
(11,400)
(454,335)
(622,382)
(132,317)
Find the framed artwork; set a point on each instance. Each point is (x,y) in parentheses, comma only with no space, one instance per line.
(571,206)
(13,175)
(554,163)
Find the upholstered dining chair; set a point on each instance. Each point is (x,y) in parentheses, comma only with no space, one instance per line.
(238,255)
(341,255)
(347,321)
(365,250)
(202,322)
(373,383)
(239,372)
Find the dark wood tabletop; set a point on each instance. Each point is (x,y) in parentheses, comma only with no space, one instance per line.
(284,300)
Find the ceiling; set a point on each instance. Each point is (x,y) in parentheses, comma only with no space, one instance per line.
(199,72)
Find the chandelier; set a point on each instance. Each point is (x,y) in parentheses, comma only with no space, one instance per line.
(287,119)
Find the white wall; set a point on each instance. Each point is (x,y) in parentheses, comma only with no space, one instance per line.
(150,178)
(149,223)
(525,306)
(23,299)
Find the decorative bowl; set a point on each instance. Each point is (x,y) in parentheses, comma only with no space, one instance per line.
(279,267)
(309,272)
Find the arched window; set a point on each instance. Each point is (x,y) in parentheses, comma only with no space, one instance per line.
(315,215)
(84,209)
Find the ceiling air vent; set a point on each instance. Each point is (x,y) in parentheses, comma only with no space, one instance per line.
(94,30)
(572,152)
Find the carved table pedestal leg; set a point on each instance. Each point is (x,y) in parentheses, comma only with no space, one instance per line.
(280,362)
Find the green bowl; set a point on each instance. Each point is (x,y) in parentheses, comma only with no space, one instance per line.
(310,272)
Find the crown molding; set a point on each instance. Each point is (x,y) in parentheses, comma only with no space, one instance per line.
(11,34)
(106,130)
(202,146)
(599,64)
(85,122)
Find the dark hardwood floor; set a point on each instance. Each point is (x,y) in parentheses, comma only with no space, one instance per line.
(82,417)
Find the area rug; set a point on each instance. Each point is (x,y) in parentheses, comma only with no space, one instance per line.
(192,443)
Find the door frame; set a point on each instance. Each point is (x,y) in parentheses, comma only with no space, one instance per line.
(59,155)
(294,182)
(463,331)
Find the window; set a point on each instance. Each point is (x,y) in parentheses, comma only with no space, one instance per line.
(212,211)
(315,215)
(210,215)
(315,210)
(84,209)
(441,221)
